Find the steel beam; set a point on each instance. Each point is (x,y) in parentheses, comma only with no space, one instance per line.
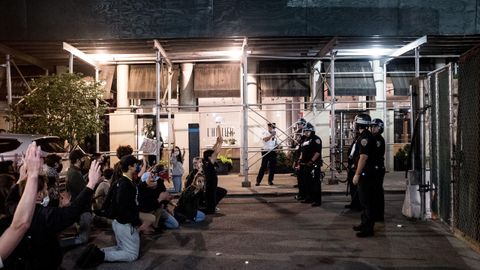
(78,53)
(23,56)
(327,47)
(162,51)
(410,46)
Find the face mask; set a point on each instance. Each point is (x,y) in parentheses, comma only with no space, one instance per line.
(157,178)
(45,201)
(176,153)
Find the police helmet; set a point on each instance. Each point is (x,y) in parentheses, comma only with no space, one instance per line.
(379,123)
(309,127)
(362,120)
(301,121)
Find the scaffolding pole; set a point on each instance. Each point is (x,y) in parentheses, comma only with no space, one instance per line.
(97,135)
(333,139)
(244,149)
(385,115)
(158,68)
(9,79)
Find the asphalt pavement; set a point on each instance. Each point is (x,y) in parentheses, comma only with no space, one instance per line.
(277,232)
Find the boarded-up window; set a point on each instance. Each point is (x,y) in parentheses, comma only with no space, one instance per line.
(358,83)
(294,85)
(217,80)
(142,81)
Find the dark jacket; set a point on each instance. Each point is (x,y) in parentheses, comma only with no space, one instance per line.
(211,184)
(190,178)
(40,248)
(75,181)
(148,197)
(125,203)
(189,202)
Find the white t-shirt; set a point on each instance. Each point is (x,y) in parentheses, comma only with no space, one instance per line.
(270,144)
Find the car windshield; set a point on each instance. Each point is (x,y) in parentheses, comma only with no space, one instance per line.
(7,145)
(51,145)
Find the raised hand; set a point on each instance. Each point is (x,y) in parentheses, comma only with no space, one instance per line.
(94,174)
(33,160)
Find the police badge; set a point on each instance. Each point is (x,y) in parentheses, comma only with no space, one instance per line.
(364,142)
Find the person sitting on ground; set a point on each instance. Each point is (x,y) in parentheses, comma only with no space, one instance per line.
(189,201)
(20,222)
(102,190)
(75,184)
(197,167)
(126,225)
(122,150)
(213,193)
(53,167)
(153,199)
(40,246)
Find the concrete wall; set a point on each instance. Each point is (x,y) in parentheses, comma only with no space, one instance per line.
(122,131)
(111,19)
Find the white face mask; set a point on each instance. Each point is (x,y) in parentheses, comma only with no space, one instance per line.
(176,153)
(45,201)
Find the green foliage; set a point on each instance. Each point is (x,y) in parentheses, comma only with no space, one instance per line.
(225,159)
(61,105)
(402,153)
(284,160)
(163,162)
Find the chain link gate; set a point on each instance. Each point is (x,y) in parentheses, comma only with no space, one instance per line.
(467,174)
(442,133)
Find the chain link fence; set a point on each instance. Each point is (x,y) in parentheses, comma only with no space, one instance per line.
(467,156)
(440,83)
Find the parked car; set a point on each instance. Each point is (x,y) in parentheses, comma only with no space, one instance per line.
(14,146)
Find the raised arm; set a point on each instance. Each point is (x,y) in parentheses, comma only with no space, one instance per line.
(218,144)
(26,207)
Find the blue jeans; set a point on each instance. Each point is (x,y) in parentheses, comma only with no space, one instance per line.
(200,216)
(128,244)
(85,226)
(168,220)
(177,183)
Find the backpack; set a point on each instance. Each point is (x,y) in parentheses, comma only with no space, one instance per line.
(108,206)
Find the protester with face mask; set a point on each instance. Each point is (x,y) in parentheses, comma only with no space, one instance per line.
(75,184)
(53,167)
(40,248)
(176,162)
(153,200)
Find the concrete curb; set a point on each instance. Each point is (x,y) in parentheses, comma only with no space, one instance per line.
(287,194)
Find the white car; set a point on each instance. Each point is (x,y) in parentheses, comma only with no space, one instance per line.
(14,146)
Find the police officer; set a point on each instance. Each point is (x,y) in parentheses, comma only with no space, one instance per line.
(310,163)
(364,174)
(376,127)
(351,188)
(299,138)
